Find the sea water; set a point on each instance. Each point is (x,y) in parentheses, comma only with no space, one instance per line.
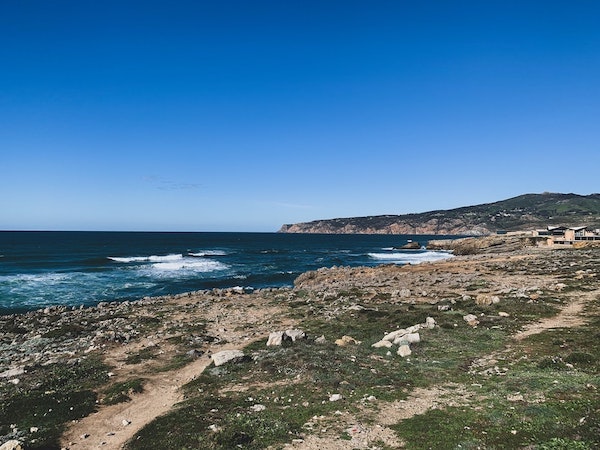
(39,269)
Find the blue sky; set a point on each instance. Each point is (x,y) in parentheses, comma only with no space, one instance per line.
(242,116)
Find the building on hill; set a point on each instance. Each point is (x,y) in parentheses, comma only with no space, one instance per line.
(568,235)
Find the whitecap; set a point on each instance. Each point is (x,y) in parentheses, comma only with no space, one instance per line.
(152,258)
(411,258)
(186,267)
(203,253)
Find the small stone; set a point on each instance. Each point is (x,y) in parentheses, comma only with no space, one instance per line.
(258,408)
(503,314)
(346,340)
(84,436)
(320,340)
(335,397)
(126,422)
(430,322)
(471,320)
(33,429)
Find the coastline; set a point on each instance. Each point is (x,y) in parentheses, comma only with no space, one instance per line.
(167,341)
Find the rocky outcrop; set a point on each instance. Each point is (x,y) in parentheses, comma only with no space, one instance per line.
(524,212)
(396,226)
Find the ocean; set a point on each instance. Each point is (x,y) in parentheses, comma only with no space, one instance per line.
(39,269)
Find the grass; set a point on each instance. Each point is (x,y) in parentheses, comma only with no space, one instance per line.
(47,398)
(120,392)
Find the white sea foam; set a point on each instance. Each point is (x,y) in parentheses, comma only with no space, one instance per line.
(184,267)
(152,258)
(203,253)
(411,258)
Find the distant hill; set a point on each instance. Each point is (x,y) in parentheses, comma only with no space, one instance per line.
(524,212)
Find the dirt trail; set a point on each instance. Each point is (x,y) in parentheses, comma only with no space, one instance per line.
(422,400)
(114,425)
(569,316)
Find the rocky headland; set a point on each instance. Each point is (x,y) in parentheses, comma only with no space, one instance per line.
(494,348)
(525,212)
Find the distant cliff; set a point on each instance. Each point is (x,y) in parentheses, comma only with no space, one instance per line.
(524,212)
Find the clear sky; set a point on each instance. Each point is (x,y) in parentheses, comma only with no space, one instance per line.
(244,115)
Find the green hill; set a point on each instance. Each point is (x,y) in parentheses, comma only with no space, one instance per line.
(524,212)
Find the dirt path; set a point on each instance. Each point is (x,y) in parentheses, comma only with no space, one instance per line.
(228,319)
(112,426)
(569,316)
(422,400)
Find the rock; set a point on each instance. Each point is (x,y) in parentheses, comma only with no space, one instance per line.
(194,353)
(503,314)
(12,445)
(335,397)
(320,340)
(225,356)
(430,323)
(413,338)
(84,436)
(34,429)
(126,422)
(258,408)
(443,307)
(346,340)
(12,372)
(394,334)
(404,350)
(404,293)
(471,319)
(295,334)
(275,338)
(412,245)
(382,343)
(414,328)
(483,300)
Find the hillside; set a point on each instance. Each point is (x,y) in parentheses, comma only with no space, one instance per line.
(524,212)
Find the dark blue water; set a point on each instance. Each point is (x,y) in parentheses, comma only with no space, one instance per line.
(38,269)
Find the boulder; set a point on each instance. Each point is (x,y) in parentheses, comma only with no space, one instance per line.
(471,319)
(12,445)
(11,373)
(295,334)
(277,337)
(413,338)
(486,300)
(382,343)
(412,245)
(226,356)
(430,323)
(394,334)
(404,351)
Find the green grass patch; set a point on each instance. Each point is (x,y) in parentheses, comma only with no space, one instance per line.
(120,392)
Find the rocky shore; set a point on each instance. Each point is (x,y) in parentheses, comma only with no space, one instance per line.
(313,366)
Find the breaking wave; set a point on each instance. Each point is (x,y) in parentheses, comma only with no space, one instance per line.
(411,258)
